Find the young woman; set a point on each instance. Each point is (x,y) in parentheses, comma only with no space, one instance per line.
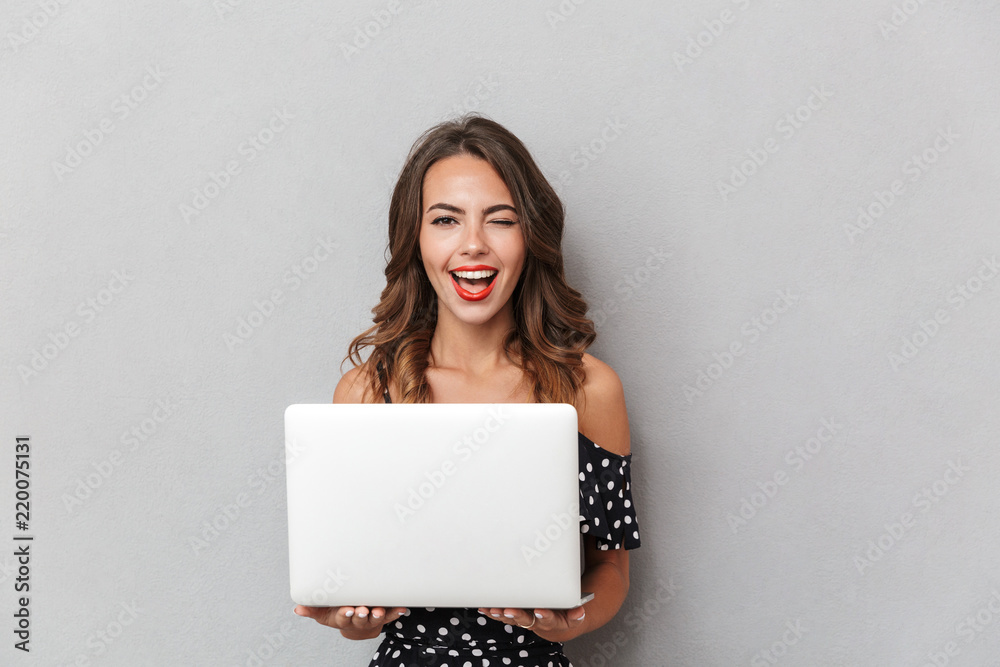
(476,309)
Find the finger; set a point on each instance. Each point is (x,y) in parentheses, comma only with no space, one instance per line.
(342,619)
(519,617)
(545,619)
(331,616)
(366,618)
(309,612)
(376,617)
(359,619)
(322,615)
(549,619)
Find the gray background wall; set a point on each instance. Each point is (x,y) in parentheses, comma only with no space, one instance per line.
(812,392)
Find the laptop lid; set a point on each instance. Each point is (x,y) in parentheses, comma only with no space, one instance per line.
(434,505)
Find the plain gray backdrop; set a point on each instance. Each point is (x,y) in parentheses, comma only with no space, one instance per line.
(783,216)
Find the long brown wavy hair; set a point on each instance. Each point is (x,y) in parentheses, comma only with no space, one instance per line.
(551,329)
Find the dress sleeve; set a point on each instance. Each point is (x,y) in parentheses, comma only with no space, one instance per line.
(606,508)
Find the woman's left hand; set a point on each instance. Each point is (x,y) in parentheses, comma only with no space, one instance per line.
(555,625)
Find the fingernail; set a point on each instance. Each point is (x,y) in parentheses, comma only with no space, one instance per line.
(362,614)
(509,615)
(349,613)
(537,615)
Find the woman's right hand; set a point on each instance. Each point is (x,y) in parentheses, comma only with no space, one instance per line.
(353,622)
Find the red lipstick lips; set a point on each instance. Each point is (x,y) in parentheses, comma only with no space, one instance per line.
(474,296)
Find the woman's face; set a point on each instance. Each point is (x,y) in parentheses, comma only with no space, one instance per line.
(469,225)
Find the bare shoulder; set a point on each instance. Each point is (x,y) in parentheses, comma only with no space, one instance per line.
(601,378)
(351,387)
(602,414)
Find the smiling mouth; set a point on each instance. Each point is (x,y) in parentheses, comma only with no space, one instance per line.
(474,285)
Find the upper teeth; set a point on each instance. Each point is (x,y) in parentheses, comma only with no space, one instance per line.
(472,275)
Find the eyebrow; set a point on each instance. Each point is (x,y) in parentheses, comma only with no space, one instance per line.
(486,211)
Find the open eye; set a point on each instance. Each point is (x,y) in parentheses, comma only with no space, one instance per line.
(444,219)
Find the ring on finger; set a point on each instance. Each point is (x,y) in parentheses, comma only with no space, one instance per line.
(528,627)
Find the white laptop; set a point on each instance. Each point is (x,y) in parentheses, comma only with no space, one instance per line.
(434,505)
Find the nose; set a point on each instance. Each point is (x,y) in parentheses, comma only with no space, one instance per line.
(473,243)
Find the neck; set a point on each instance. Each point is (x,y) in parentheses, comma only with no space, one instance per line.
(475,349)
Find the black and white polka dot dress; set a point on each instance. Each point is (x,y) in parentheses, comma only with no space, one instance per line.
(462,637)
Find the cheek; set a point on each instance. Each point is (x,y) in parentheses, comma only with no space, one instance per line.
(517,252)
(426,264)
(423,248)
(522,247)
(430,258)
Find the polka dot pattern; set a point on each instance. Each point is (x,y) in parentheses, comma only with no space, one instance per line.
(452,637)
(606,508)
(447,643)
